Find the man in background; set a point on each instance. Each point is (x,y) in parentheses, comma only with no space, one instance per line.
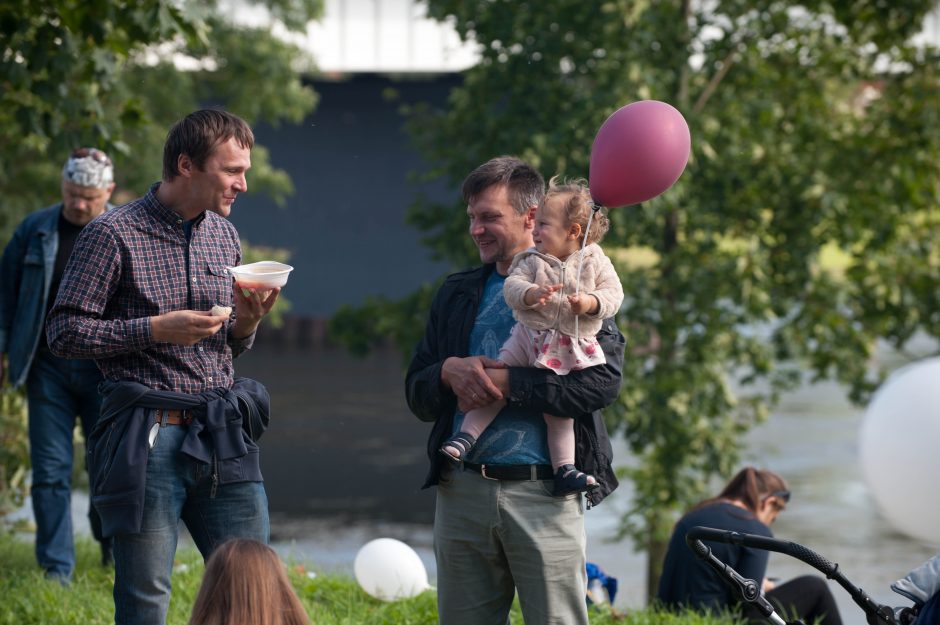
(58,389)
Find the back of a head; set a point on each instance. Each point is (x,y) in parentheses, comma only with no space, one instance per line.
(246,583)
(524,183)
(197,134)
(750,486)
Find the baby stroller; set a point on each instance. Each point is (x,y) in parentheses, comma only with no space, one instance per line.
(920,586)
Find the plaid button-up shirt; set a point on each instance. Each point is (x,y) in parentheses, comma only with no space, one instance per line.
(134,262)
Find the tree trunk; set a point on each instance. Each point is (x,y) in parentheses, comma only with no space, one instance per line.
(656,550)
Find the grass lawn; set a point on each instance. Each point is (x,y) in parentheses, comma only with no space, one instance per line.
(28,598)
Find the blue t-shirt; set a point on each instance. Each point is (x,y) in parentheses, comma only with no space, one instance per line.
(516,435)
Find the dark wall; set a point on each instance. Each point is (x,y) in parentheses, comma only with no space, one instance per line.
(345,226)
(342,443)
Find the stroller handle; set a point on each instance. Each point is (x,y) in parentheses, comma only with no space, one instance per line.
(768,544)
(877,613)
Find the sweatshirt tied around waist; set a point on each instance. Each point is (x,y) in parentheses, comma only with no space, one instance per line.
(226,425)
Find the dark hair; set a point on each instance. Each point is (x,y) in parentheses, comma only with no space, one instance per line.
(578,205)
(246,583)
(197,134)
(524,183)
(751,486)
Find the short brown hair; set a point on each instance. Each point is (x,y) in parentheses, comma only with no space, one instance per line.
(246,583)
(197,134)
(524,183)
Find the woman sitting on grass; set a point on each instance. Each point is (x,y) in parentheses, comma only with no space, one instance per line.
(748,504)
(246,584)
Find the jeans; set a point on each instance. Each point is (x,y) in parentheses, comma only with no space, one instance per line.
(179,487)
(58,390)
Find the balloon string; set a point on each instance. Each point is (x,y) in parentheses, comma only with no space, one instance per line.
(577,282)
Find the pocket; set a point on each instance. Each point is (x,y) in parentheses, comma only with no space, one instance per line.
(547,487)
(446,474)
(120,513)
(33,270)
(245,468)
(220,281)
(33,258)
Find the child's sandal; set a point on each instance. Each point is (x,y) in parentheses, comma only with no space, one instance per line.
(458,446)
(569,480)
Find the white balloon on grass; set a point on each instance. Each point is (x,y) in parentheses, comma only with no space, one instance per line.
(389,570)
(899,449)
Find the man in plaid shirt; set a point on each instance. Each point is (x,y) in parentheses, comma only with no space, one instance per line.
(176,435)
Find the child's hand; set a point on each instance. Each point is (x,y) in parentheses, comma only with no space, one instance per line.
(583,304)
(540,295)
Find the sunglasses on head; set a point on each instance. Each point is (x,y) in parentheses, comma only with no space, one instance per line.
(94,153)
(780,494)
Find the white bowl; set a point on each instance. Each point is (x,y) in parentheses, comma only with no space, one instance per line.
(265,274)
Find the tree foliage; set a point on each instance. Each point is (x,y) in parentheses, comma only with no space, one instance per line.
(116,74)
(14,452)
(814,137)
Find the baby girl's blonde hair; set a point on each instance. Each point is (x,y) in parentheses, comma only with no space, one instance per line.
(577,206)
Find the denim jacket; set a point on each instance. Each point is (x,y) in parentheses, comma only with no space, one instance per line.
(25,276)
(227,424)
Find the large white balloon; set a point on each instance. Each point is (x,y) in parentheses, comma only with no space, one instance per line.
(389,570)
(899,449)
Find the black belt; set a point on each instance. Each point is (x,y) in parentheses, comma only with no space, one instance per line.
(529,472)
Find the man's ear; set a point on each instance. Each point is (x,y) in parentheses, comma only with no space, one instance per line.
(185,165)
(530,218)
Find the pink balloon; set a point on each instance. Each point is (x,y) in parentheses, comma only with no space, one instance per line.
(638,153)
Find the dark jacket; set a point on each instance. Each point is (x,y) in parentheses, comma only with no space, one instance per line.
(580,394)
(227,424)
(687,581)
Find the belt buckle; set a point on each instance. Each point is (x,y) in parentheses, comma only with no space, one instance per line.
(485,476)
